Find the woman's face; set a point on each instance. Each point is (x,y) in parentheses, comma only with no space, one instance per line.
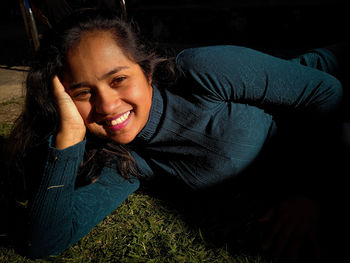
(111,92)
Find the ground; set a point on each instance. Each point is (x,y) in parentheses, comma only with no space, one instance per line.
(11,92)
(10,110)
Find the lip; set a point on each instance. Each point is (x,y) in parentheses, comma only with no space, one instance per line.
(118,126)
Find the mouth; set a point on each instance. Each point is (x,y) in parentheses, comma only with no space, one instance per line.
(118,122)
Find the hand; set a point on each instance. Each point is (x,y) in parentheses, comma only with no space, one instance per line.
(72,128)
(292,232)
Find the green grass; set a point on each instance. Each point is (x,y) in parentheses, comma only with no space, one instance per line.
(142,229)
(5,128)
(9,102)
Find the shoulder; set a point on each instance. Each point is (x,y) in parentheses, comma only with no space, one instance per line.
(224,59)
(213,71)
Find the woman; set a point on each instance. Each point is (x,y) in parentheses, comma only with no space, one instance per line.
(104,111)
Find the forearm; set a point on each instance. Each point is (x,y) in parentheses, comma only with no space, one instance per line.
(61,214)
(51,211)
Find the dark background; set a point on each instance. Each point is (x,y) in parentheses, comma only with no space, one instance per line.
(280,27)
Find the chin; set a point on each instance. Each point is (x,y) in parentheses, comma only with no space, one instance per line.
(119,137)
(122,139)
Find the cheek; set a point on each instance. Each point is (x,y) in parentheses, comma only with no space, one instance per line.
(136,94)
(142,93)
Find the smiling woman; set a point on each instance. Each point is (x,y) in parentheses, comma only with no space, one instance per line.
(104,111)
(112,93)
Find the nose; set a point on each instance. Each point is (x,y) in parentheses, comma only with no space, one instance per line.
(106,101)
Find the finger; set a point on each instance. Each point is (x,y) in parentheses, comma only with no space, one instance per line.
(62,97)
(57,85)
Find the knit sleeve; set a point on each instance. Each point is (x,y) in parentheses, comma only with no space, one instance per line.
(60,214)
(243,75)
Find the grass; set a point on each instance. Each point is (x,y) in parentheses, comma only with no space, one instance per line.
(5,128)
(144,228)
(15,105)
(9,102)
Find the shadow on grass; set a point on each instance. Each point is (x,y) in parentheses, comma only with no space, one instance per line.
(227,215)
(224,216)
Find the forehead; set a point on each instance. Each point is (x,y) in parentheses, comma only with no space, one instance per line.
(96,52)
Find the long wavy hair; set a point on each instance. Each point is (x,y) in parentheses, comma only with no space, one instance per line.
(40,119)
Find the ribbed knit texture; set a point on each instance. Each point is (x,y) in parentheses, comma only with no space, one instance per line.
(207,129)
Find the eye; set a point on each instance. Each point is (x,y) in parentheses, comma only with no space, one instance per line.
(118,80)
(82,94)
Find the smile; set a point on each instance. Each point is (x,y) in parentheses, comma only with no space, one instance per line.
(120,122)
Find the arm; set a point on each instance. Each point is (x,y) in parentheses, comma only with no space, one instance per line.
(60,214)
(238,74)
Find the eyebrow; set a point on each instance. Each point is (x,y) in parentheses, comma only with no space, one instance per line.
(113,71)
(104,76)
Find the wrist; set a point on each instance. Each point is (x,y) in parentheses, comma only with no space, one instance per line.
(68,139)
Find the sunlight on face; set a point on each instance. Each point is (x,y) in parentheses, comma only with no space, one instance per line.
(111,92)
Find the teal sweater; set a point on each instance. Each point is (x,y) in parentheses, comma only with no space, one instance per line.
(206,129)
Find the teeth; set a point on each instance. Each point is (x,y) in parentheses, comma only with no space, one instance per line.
(119,120)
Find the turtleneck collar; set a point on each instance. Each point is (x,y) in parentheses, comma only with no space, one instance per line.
(154,117)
